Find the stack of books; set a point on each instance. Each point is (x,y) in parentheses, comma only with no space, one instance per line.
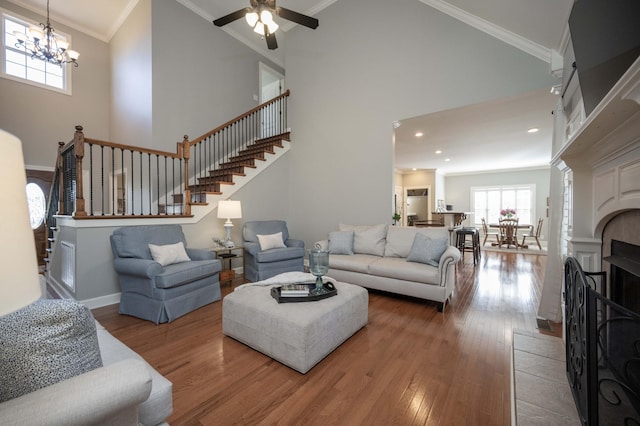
(294,290)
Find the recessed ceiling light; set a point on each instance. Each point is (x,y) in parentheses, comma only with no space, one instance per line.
(447,159)
(438,152)
(419,134)
(533,130)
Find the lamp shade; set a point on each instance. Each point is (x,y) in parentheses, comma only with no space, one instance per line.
(19,281)
(229,209)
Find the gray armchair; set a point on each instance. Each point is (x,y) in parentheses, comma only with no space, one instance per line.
(263,264)
(162,293)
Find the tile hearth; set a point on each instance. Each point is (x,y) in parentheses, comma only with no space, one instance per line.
(542,394)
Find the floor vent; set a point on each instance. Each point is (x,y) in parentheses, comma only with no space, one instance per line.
(543,324)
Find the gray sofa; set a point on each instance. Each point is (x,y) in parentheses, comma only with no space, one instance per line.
(160,293)
(125,391)
(393,259)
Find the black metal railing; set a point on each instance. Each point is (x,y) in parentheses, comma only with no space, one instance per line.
(602,352)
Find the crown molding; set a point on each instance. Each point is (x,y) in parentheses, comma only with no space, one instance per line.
(496,31)
(72,24)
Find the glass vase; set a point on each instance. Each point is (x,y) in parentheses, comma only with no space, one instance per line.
(318,266)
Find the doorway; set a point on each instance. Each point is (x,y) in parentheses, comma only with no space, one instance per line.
(38,189)
(271,85)
(418,205)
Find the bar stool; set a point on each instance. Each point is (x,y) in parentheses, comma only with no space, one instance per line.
(471,245)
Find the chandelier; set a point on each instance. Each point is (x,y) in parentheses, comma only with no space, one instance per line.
(42,44)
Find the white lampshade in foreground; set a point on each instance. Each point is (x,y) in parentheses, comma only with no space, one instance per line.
(19,281)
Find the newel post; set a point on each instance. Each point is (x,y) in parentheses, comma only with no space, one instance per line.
(78,145)
(186,154)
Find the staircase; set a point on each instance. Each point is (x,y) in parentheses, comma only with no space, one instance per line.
(105,180)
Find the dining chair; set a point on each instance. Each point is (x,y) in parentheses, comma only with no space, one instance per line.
(532,234)
(508,232)
(487,231)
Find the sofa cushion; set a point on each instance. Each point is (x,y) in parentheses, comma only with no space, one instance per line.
(399,268)
(400,239)
(341,242)
(427,250)
(278,254)
(368,239)
(356,263)
(169,254)
(270,241)
(44,343)
(186,272)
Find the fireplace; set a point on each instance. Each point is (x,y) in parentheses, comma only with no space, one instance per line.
(624,284)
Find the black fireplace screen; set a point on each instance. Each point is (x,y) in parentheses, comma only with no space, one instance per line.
(602,352)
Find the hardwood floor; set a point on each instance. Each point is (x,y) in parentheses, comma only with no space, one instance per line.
(409,365)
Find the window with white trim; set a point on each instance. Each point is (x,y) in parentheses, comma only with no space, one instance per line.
(20,66)
(488,201)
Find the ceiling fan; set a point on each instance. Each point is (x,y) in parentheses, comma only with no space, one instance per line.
(260,17)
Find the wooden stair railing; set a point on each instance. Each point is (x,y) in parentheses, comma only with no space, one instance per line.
(102,180)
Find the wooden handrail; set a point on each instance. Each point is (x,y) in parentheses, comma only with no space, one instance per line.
(181,178)
(238,118)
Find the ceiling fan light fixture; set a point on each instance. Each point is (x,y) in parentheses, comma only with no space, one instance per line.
(259,28)
(272,26)
(252,18)
(266,17)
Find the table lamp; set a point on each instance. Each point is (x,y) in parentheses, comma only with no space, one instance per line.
(19,281)
(229,209)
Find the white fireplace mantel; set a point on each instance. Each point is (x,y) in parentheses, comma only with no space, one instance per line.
(599,168)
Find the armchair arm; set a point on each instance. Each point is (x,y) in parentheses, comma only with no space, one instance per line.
(139,267)
(200,254)
(251,247)
(108,395)
(291,242)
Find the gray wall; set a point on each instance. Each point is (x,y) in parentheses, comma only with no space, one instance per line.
(350,82)
(459,189)
(131,75)
(202,77)
(40,117)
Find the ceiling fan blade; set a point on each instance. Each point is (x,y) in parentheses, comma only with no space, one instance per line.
(298,18)
(272,44)
(220,22)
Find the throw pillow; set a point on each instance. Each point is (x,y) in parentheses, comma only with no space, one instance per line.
(44,343)
(270,241)
(368,239)
(341,242)
(427,250)
(169,254)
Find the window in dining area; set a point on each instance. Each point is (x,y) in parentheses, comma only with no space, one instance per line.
(489,201)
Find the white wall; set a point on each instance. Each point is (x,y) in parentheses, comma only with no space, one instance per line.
(40,117)
(459,189)
(350,81)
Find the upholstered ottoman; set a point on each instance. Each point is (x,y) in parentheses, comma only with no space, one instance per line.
(298,335)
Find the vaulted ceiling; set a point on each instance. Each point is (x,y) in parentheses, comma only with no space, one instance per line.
(537,27)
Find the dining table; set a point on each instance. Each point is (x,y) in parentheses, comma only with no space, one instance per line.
(511,239)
